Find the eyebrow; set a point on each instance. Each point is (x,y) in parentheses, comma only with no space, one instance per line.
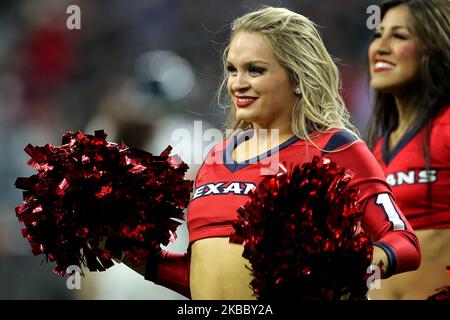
(396,28)
(251,62)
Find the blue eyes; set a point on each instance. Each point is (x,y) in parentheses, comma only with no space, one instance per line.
(252,70)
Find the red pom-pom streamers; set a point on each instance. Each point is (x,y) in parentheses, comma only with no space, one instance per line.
(301,233)
(89,190)
(442,293)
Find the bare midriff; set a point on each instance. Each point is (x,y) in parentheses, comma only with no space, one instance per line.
(431,275)
(218,271)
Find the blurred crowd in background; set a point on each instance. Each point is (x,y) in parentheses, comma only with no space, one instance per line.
(139,70)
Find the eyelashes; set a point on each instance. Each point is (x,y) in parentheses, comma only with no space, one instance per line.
(400,36)
(375,35)
(252,70)
(396,35)
(231,69)
(256,70)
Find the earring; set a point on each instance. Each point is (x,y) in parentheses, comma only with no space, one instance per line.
(297,91)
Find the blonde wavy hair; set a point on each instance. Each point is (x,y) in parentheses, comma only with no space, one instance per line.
(298,47)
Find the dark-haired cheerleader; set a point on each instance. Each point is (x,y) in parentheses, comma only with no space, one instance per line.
(410,132)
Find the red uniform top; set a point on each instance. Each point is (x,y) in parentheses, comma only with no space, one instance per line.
(409,178)
(222,185)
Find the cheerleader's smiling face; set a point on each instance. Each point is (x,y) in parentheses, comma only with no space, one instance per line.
(395,52)
(259,86)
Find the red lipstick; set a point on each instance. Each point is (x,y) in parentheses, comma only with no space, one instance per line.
(244,101)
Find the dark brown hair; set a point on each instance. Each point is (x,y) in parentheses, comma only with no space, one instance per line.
(430,23)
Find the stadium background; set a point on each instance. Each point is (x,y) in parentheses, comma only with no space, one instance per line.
(139,70)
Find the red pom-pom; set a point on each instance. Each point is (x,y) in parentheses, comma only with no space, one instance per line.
(301,233)
(88,190)
(442,293)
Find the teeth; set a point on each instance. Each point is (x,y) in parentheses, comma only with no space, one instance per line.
(245,99)
(381,64)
